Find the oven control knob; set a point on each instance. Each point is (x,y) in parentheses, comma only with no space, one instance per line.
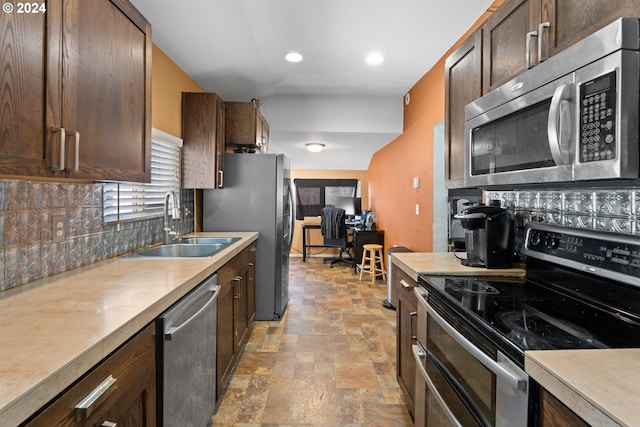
(534,239)
(550,241)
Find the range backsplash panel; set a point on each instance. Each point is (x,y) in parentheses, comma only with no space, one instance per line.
(612,210)
(27,210)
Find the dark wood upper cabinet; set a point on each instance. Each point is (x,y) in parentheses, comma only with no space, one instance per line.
(523,33)
(576,19)
(203,123)
(85,67)
(463,84)
(245,126)
(505,42)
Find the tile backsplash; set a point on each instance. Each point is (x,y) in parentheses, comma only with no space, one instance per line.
(29,249)
(615,210)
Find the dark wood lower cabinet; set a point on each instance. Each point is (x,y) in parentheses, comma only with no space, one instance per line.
(236,312)
(556,413)
(406,303)
(129,398)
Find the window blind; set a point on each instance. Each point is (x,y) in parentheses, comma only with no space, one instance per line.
(124,201)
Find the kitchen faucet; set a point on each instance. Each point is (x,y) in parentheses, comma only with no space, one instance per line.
(175,214)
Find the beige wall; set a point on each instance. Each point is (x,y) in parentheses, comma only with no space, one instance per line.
(314,237)
(168,83)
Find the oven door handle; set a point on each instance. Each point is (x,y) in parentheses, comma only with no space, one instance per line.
(420,355)
(498,368)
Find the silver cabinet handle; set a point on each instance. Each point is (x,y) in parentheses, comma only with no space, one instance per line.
(498,368)
(559,114)
(86,406)
(528,47)
(168,336)
(108,424)
(76,155)
(420,355)
(405,284)
(541,28)
(63,143)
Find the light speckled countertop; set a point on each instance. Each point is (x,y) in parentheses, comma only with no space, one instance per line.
(57,328)
(445,263)
(601,386)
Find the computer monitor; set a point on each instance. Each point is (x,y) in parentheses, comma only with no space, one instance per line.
(352,205)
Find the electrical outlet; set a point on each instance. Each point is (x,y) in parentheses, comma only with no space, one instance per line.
(59,230)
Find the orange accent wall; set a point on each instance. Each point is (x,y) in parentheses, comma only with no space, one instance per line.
(314,237)
(167,84)
(392,169)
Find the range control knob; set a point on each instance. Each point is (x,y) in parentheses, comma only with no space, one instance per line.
(551,241)
(534,238)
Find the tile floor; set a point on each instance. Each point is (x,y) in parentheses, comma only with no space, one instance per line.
(329,362)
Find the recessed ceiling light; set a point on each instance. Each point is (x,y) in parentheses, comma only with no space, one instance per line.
(375,58)
(293,57)
(314,147)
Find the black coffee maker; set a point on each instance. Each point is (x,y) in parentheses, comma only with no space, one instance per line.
(488,235)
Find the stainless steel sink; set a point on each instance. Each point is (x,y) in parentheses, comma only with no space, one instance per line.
(179,250)
(209,240)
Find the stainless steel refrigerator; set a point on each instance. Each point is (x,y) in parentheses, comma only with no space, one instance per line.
(257,196)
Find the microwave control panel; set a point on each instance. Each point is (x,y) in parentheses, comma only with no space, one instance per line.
(598,119)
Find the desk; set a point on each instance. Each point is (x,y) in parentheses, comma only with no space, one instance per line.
(305,229)
(360,238)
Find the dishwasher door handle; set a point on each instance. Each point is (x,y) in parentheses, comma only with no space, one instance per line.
(168,335)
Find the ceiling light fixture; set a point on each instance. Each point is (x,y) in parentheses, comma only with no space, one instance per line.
(314,147)
(375,58)
(293,57)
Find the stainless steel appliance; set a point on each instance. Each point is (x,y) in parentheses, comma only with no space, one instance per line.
(186,358)
(581,291)
(574,117)
(257,196)
(489,236)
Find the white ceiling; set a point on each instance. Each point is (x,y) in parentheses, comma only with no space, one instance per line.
(236,48)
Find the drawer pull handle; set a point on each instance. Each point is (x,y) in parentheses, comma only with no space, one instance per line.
(405,284)
(87,405)
(108,424)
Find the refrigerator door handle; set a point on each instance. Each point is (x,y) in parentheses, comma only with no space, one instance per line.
(292,215)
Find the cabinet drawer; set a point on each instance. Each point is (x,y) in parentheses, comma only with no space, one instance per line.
(404,285)
(123,387)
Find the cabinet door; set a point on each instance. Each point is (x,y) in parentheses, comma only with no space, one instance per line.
(463,84)
(22,76)
(242,308)
(128,400)
(406,331)
(572,20)
(103,89)
(225,331)
(203,134)
(505,35)
(251,285)
(556,414)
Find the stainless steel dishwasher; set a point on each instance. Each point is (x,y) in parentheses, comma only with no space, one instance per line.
(186,358)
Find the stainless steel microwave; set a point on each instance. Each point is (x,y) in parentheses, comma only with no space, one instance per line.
(572,118)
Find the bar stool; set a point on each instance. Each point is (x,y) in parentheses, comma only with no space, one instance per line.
(372,254)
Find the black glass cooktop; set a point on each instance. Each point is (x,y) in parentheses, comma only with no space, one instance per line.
(535,314)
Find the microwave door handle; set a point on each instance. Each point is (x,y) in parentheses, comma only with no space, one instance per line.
(555,130)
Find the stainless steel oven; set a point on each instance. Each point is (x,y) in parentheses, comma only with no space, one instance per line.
(581,291)
(574,117)
(463,379)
